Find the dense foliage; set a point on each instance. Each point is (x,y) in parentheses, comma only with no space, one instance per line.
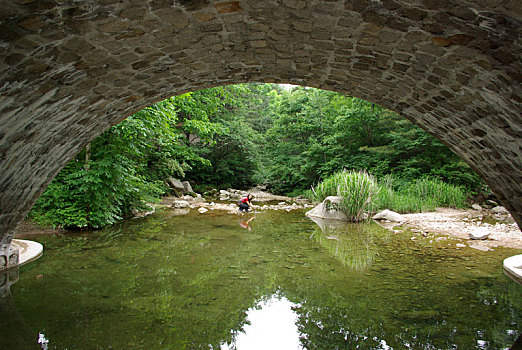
(239,136)
(317,133)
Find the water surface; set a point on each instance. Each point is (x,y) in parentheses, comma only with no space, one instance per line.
(211,281)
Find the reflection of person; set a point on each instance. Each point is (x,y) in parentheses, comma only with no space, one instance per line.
(246,224)
(244,203)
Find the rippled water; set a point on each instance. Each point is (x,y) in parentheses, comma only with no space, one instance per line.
(281,281)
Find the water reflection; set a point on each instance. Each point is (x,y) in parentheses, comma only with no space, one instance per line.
(245,223)
(15,334)
(201,281)
(271,324)
(351,244)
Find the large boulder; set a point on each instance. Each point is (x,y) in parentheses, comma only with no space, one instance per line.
(176,185)
(180,187)
(328,209)
(389,215)
(186,187)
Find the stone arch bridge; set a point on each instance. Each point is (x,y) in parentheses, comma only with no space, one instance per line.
(71,69)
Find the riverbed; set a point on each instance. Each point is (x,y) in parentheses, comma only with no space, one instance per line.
(280,280)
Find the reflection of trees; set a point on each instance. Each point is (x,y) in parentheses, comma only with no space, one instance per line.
(15,334)
(326,325)
(171,287)
(163,286)
(351,244)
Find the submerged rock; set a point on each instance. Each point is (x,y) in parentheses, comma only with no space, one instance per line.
(389,215)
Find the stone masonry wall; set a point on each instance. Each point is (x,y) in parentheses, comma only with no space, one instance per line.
(71,69)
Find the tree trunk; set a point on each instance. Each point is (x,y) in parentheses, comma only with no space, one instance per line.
(87,164)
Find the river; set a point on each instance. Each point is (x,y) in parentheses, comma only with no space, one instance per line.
(280,281)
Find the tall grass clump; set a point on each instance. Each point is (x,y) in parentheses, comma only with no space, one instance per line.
(357,189)
(425,194)
(362,193)
(437,191)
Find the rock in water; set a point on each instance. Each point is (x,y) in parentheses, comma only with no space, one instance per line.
(202,210)
(141,214)
(180,204)
(389,215)
(328,209)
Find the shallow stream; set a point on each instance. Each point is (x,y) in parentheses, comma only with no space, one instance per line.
(280,281)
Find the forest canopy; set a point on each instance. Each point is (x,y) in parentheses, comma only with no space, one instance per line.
(288,139)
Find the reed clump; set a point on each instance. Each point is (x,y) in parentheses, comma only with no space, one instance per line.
(362,193)
(358,190)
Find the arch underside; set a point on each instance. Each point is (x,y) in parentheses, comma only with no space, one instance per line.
(71,70)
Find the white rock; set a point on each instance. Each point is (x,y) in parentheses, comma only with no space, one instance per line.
(180,204)
(389,215)
(499,210)
(479,233)
(202,210)
(476,207)
(460,245)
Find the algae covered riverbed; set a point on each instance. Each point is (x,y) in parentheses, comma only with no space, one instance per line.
(203,281)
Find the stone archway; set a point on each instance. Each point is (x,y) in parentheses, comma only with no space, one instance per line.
(70,70)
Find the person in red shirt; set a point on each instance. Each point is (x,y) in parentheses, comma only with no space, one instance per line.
(244,203)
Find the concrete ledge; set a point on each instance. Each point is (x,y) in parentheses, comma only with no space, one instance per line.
(28,250)
(513,268)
